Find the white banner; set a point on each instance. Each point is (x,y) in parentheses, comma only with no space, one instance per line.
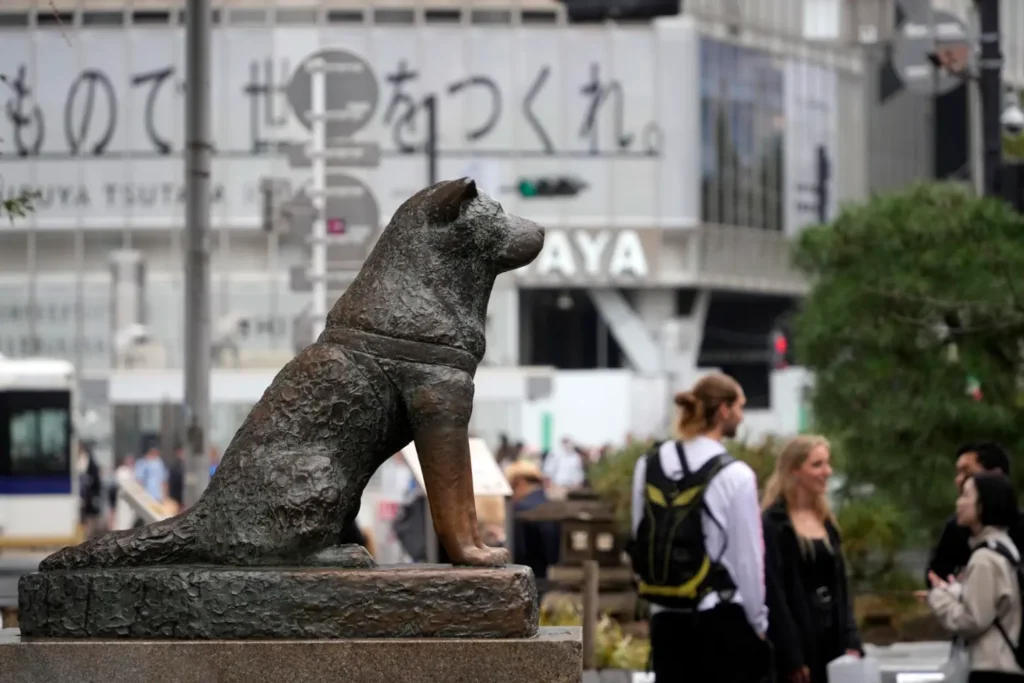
(97,126)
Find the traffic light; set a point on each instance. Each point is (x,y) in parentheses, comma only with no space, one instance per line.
(783,355)
(555,186)
(780,350)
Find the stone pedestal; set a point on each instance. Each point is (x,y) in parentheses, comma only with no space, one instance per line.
(204,602)
(554,655)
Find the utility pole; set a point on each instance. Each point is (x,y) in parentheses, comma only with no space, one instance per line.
(197,246)
(991,82)
(318,123)
(430,104)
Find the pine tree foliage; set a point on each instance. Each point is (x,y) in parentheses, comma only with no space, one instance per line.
(914,330)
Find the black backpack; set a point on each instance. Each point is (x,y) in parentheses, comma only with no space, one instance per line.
(669,555)
(1018,652)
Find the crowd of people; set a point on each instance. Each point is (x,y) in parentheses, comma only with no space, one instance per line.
(163,480)
(755,588)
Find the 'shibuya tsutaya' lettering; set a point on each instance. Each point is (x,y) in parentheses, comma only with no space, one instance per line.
(90,118)
(109,194)
(610,253)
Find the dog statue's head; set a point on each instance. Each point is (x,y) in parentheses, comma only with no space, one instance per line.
(465,222)
(430,275)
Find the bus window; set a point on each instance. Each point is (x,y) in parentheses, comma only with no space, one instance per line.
(35,437)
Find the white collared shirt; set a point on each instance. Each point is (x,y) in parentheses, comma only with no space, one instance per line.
(731,498)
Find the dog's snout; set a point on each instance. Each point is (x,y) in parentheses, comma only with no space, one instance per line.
(525,240)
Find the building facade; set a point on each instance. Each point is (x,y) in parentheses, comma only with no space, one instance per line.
(696,152)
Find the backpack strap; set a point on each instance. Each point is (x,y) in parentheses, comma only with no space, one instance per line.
(1002,550)
(654,474)
(716,465)
(681,452)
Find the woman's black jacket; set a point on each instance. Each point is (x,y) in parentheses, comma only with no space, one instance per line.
(791,627)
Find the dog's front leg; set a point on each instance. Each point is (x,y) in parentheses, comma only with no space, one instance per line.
(444,457)
(440,409)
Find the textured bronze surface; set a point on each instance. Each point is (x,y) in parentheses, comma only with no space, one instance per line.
(555,655)
(198,603)
(395,364)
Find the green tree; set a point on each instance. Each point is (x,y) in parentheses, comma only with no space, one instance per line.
(916,299)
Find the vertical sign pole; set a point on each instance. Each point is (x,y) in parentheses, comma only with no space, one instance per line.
(430,104)
(991,92)
(591,592)
(975,122)
(197,257)
(318,271)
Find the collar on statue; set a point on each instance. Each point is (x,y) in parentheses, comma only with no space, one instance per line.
(392,348)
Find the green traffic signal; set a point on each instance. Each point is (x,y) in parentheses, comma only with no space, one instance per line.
(550,186)
(527,189)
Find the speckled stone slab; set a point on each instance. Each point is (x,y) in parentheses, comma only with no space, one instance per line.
(202,603)
(554,655)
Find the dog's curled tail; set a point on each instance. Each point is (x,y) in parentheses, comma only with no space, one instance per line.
(170,541)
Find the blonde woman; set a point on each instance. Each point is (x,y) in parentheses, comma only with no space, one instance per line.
(810,618)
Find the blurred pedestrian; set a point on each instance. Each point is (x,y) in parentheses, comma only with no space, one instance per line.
(90,492)
(535,544)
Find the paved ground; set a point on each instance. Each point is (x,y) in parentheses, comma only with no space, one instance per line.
(899,663)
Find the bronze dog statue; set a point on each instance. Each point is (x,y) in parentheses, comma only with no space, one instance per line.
(394,364)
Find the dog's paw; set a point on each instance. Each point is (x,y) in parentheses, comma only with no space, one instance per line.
(482,557)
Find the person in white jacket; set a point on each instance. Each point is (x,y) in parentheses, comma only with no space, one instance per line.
(983,606)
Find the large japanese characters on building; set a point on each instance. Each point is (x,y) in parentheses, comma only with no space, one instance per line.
(93,120)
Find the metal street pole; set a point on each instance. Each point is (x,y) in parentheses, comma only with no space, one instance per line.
(197,246)
(430,104)
(318,267)
(991,81)
(975,120)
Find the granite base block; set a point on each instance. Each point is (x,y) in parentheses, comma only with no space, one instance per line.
(554,655)
(208,602)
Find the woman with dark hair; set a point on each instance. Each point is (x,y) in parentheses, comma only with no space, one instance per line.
(810,614)
(984,607)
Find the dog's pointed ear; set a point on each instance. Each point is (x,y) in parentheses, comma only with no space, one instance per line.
(448,200)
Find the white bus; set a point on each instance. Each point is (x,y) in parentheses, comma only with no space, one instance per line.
(38,485)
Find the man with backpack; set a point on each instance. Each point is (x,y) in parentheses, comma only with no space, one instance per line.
(698,549)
